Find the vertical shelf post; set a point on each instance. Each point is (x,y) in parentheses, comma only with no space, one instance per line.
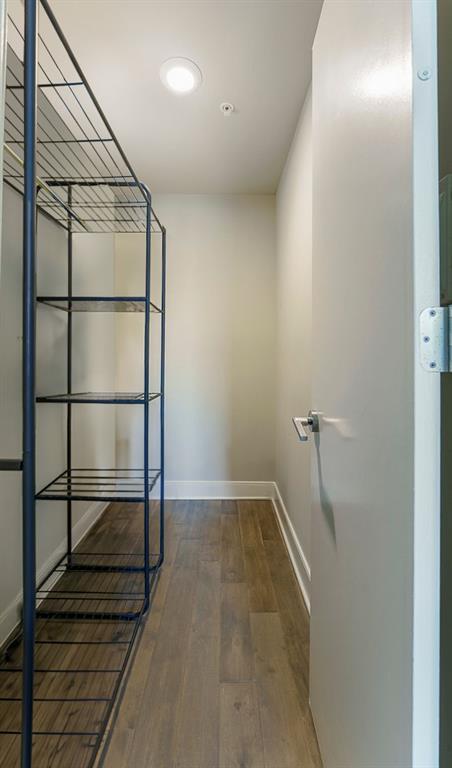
(147,319)
(162,398)
(69,377)
(29,355)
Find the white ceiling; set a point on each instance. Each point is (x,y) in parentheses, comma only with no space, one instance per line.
(254,53)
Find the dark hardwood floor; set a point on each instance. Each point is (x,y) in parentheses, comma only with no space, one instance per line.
(220,676)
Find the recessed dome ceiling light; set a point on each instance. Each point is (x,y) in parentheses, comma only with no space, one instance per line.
(180,75)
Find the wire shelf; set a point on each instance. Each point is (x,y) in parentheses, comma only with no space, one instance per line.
(86,627)
(112,562)
(98,303)
(109,398)
(74,692)
(75,145)
(99,485)
(76,593)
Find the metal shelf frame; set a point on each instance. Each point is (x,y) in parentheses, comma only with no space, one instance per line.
(99,485)
(112,398)
(98,303)
(62,155)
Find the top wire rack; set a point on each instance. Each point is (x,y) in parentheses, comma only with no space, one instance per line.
(84,178)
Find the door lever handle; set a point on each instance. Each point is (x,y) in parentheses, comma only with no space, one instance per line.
(311,421)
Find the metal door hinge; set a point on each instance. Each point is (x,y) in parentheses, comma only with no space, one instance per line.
(435,339)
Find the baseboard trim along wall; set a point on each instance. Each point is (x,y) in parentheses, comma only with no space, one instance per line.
(297,556)
(11,616)
(246,489)
(219,489)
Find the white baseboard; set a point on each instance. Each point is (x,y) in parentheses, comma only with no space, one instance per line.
(219,489)
(11,616)
(296,554)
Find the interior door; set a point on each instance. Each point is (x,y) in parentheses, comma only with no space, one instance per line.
(375,458)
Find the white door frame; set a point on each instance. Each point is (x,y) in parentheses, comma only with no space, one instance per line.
(426,600)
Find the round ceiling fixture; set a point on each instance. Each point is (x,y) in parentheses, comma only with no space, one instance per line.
(180,75)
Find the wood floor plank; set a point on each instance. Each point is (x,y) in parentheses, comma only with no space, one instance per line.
(9,751)
(179,511)
(126,721)
(249,525)
(197,719)
(283,725)
(261,592)
(154,738)
(293,615)
(211,547)
(198,511)
(229,506)
(127,717)
(236,653)
(311,741)
(241,743)
(267,520)
(232,567)
(199,519)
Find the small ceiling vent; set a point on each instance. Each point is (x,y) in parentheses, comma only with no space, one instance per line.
(227,108)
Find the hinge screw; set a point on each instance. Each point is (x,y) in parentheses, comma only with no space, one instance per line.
(432,365)
(424,74)
(426,339)
(432,313)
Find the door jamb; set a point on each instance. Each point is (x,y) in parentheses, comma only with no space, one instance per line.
(427,404)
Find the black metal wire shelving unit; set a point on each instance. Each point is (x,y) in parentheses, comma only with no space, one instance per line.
(61,154)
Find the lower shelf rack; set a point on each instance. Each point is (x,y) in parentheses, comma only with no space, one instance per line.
(110,398)
(76,593)
(79,667)
(98,303)
(86,627)
(86,484)
(113,562)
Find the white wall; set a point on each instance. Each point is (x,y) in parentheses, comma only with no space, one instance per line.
(220,359)
(294,309)
(94,429)
(220,337)
(94,351)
